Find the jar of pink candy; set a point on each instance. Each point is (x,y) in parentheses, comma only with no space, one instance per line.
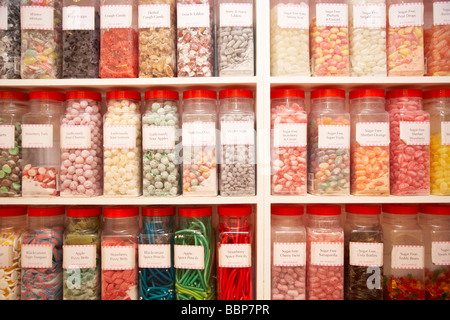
(324,252)
(288,142)
(81,145)
(410,143)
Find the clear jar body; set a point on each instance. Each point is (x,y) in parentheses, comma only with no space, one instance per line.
(10,50)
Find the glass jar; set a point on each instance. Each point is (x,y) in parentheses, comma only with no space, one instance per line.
(363,252)
(235,271)
(328,143)
(288,136)
(13,105)
(81,39)
(435,222)
(122,144)
(81,253)
(324,253)
(42,254)
(199,123)
(288,252)
(120,253)
(156,238)
(437,104)
(369,148)
(10,35)
(403,253)
(41,144)
(81,145)
(13,221)
(119,39)
(289,38)
(194,254)
(237,136)
(410,143)
(235,38)
(161,144)
(405,45)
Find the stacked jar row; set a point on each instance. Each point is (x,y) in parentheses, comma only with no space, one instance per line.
(126,253)
(49,150)
(371,252)
(126,39)
(360,38)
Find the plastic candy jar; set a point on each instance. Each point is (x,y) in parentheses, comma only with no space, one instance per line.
(403,253)
(324,253)
(156,238)
(161,144)
(13,105)
(81,145)
(289,38)
(238,153)
(437,104)
(435,222)
(194,254)
(235,272)
(410,143)
(81,253)
(42,254)
(41,144)
(369,143)
(328,143)
(120,253)
(10,35)
(288,252)
(122,144)
(195,38)
(363,252)
(329,38)
(199,143)
(405,45)
(288,121)
(13,221)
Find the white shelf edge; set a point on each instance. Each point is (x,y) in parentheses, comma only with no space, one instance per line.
(312,199)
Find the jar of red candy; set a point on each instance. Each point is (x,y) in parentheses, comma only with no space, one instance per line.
(41,144)
(369,143)
(288,142)
(435,222)
(324,252)
(328,143)
(404,253)
(120,253)
(235,272)
(288,252)
(410,143)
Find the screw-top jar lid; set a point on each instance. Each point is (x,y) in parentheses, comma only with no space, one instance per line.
(234,210)
(123,94)
(287,93)
(47,95)
(327,93)
(14,95)
(13,211)
(400,208)
(158,211)
(436,209)
(203,93)
(194,211)
(83,212)
(287,209)
(363,209)
(437,93)
(91,95)
(162,94)
(236,93)
(400,93)
(363,93)
(120,211)
(323,209)
(44,211)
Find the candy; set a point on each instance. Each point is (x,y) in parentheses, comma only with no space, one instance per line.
(437,50)
(40,181)
(10,48)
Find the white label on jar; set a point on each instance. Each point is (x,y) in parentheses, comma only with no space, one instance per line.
(407,257)
(37,136)
(118,257)
(440,253)
(158,137)
(116,16)
(6,256)
(372,133)
(237,133)
(7,136)
(199,134)
(334,136)
(415,132)
(75,137)
(332,14)
(3,18)
(193,15)
(36,18)
(154,256)
(369,16)
(154,16)
(406,15)
(441,13)
(37,256)
(189,257)
(79,256)
(236,14)
(235,255)
(445,133)
(289,135)
(366,254)
(79,18)
(119,137)
(286,254)
(327,253)
(293,16)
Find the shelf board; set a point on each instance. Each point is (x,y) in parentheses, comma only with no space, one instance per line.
(307,199)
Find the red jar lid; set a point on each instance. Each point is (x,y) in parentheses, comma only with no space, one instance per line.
(12,211)
(14,95)
(365,209)
(328,93)
(47,95)
(43,211)
(162,94)
(399,93)
(287,93)
(287,209)
(235,93)
(83,212)
(189,94)
(234,210)
(123,94)
(195,211)
(362,93)
(121,211)
(91,95)
(437,93)
(436,209)
(158,211)
(323,209)
(400,208)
